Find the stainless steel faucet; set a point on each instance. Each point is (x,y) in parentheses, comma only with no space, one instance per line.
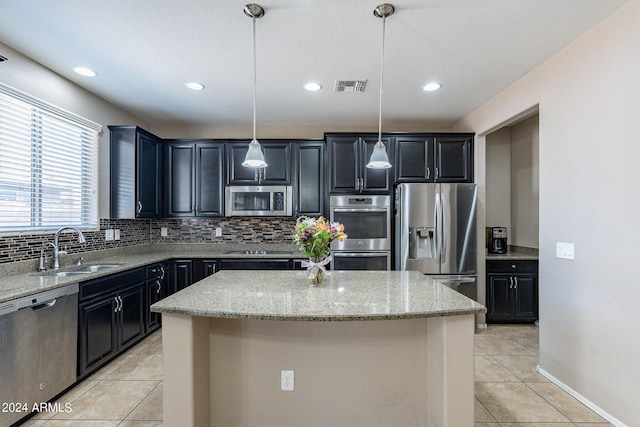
(43,258)
(56,248)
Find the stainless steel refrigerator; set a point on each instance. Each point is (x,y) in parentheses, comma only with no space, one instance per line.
(435,232)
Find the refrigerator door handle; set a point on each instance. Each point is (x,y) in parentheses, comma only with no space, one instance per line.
(438,227)
(445,228)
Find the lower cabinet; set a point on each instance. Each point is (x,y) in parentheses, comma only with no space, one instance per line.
(112,317)
(181,275)
(512,291)
(255,264)
(156,287)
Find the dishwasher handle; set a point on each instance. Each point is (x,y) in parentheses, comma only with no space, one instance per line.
(45,305)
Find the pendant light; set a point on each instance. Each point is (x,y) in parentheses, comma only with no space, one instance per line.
(379,158)
(254,157)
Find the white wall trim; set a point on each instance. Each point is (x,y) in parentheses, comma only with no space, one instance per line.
(589,404)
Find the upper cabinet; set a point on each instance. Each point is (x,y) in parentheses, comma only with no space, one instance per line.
(348,158)
(309,197)
(135,166)
(194,178)
(453,158)
(434,158)
(277,154)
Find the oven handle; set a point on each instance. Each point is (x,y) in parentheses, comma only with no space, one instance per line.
(360,210)
(359,254)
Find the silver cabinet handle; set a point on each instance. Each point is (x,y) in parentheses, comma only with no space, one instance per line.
(159,286)
(428,173)
(515,279)
(162,272)
(117,298)
(510,282)
(357,184)
(437,173)
(139,206)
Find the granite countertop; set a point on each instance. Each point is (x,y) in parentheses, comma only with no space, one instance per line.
(22,279)
(343,296)
(515,253)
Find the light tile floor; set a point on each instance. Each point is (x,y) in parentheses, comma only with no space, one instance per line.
(509,391)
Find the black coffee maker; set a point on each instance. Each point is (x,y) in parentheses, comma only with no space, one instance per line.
(497,240)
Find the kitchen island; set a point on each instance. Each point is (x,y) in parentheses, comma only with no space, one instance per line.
(367,348)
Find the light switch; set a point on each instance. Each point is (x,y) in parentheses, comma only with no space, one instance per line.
(116,234)
(564,250)
(108,234)
(163,232)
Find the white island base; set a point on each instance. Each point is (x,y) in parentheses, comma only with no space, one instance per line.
(392,372)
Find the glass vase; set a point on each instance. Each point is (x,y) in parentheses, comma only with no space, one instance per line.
(315,273)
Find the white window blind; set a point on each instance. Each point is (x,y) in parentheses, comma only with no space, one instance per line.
(48,165)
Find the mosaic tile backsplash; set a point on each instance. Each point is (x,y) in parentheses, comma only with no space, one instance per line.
(22,247)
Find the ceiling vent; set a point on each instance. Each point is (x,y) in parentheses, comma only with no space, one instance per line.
(350,85)
(2,58)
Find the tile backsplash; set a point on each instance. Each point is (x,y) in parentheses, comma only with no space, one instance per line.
(255,230)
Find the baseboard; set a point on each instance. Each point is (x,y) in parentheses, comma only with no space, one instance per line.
(589,404)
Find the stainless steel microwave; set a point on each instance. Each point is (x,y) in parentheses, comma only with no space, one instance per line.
(258,200)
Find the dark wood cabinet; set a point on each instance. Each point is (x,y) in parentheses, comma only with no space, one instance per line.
(255,264)
(135,173)
(453,158)
(348,158)
(112,317)
(512,291)
(433,158)
(277,154)
(203,268)
(309,198)
(181,274)
(413,158)
(193,179)
(156,289)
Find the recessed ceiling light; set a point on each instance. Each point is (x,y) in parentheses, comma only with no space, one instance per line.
(313,86)
(194,85)
(430,87)
(84,71)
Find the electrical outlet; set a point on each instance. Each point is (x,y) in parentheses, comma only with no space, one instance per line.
(286,380)
(108,235)
(163,232)
(218,232)
(565,250)
(116,234)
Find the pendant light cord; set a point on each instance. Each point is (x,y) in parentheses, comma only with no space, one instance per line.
(381,80)
(254,77)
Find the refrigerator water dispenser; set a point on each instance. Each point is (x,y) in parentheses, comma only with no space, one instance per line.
(422,243)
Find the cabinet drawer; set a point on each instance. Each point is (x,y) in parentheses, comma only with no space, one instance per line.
(105,285)
(513,266)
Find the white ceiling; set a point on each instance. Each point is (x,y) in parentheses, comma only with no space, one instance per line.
(145,50)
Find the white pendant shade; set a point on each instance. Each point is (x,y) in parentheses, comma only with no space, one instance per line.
(254,157)
(379,158)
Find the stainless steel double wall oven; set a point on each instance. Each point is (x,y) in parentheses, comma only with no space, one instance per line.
(367,221)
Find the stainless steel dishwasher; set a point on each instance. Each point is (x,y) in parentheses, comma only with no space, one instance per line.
(38,350)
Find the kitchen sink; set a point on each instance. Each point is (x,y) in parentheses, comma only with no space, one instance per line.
(83,270)
(94,268)
(257,252)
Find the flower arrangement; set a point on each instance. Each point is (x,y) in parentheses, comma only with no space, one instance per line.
(314,236)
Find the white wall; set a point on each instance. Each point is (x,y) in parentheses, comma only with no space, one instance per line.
(498,179)
(28,76)
(525,183)
(590,196)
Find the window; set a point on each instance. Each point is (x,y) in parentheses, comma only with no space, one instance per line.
(48,165)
